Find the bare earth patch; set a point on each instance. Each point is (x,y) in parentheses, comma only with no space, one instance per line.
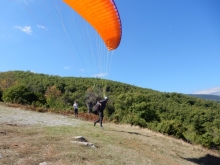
(25,117)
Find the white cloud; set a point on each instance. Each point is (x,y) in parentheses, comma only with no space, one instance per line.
(26,29)
(100,75)
(82,70)
(67,67)
(211,91)
(41,27)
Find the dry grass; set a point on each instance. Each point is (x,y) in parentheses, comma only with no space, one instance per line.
(116,145)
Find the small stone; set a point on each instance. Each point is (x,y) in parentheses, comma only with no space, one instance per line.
(84,143)
(80,138)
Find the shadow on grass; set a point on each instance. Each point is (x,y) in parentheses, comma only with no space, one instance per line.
(206,160)
(135,133)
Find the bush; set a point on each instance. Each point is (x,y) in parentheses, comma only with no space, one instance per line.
(173,128)
(18,94)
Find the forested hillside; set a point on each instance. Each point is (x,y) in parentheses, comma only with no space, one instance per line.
(190,118)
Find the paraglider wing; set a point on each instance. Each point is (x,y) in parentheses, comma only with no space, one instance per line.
(103,16)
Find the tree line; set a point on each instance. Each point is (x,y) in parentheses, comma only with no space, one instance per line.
(190,118)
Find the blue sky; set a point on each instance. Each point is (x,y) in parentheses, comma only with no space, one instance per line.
(166,45)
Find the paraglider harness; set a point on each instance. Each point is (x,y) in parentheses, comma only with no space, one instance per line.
(100,106)
(96,108)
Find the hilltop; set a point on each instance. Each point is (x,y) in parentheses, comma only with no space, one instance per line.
(191,119)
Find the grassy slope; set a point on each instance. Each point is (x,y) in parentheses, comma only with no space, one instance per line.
(116,144)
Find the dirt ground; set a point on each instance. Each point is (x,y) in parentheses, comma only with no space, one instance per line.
(9,115)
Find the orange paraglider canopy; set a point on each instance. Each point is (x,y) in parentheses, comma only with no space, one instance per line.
(103,16)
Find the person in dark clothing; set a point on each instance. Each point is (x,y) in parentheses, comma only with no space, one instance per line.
(101,109)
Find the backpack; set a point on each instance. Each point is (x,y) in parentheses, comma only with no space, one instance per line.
(96,109)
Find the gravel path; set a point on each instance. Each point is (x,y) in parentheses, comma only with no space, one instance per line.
(19,116)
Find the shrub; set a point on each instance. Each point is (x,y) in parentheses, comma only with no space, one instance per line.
(18,94)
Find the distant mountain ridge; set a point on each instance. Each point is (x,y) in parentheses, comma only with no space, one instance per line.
(207,96)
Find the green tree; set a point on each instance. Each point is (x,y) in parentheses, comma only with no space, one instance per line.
(40,100)
(18,94)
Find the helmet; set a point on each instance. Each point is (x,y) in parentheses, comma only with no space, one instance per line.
(106,98)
